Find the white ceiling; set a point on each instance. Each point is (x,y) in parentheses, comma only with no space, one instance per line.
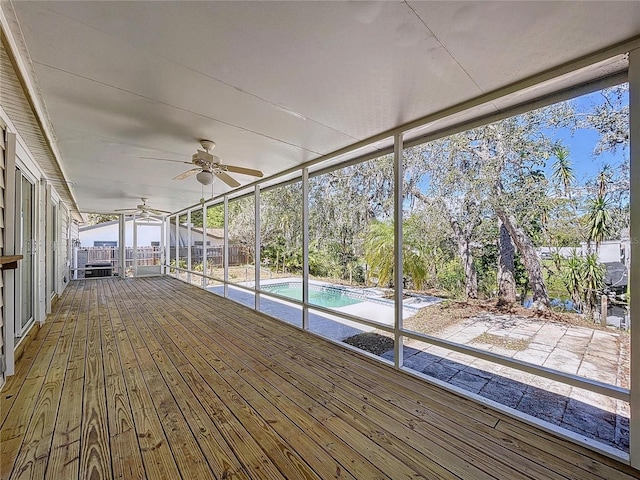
(125,80)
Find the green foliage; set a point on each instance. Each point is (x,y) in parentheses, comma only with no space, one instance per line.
(451,278)
(454,188)
(583,278)
(215,217)
(181,264)
(521,275)
(96,218)
(599,219)
(572,277)
(562,171)
(486,264)
(281,223)
(342,204)
(320,264)
(379,253)
(593,281)
(487,282)
(198,267)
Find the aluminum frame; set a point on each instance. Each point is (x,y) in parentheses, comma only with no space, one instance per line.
(634,231)
(399,332)
(398,176)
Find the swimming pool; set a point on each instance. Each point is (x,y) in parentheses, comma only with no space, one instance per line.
(323,296)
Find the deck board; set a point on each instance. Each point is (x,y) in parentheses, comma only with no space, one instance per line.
(154,378)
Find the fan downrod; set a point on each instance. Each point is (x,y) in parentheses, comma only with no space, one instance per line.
(208,145)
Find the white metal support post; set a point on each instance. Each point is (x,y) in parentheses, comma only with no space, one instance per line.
(122,246)
(48,248)
(10,249)
(176,247)
(163,244)
(305,248)
(135,246)
(164,238)
(176,271)
(397,244)
(256,257)
(189,246)
(204,246)
(40,245)
(634,280)
(225,254)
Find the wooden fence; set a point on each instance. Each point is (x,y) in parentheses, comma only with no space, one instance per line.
(102,257)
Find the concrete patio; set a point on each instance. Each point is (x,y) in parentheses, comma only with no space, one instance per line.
(593,353)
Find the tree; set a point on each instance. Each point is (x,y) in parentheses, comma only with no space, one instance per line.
(562,171)
(241,223)
(463,218)
(610,118)
(583,278)
(506,266)
(593,282)
(96,218)
(573,278)
(379,253)
(342,203)
(512,151)
(215,217)
(598,221)
(453,189)
(281,227)
(529,259)
(491,170)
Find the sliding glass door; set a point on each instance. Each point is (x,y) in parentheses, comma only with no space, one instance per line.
(25,242)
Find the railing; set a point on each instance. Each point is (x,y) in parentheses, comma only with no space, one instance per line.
(238,255)
(105,261)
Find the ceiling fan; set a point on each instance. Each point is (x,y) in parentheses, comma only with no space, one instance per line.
(208,165)
(143,209)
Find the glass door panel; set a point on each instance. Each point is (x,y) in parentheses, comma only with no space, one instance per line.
(148,247)
(25,192)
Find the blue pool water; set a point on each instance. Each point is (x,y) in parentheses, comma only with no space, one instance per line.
(322,296)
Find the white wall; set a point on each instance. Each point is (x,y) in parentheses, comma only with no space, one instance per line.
(146,234)
(109,232)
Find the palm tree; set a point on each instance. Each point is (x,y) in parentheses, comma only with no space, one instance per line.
(562,170)
(583,278)
(379,253)
(598,220)
(572,278)
(604,179)
(592,281)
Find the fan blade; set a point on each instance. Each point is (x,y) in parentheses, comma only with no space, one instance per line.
(126,210)
(186,174)
(166,160)
(244,171)
(157,212)
(227,179)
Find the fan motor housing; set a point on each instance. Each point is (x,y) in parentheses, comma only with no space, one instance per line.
(202,157)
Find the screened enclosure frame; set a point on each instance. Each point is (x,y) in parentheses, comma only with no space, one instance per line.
(394,143)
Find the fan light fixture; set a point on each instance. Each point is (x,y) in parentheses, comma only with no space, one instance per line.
(205,177)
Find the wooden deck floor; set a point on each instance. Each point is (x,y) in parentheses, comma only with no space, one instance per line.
(153,378)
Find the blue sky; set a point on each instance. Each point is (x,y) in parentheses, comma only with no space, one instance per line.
(581,144)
